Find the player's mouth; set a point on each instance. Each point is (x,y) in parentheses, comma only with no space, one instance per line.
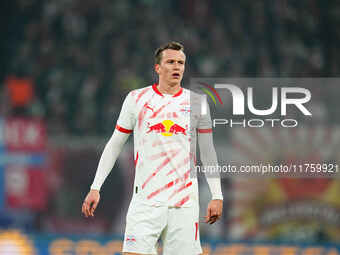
(175,75)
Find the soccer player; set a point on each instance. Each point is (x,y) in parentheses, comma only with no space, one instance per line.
(165,196)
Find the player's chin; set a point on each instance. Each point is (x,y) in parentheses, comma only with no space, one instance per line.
(174,83)
(175,80)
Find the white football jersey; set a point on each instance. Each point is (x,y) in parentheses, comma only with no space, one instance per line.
(164,128)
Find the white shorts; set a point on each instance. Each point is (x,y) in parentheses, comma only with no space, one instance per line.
(177,227)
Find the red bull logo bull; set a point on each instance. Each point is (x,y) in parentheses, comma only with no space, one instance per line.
(167,128)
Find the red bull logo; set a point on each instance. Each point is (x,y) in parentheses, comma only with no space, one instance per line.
(132,239)
(167,128)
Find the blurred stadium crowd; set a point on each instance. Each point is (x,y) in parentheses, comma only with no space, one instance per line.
(73,61)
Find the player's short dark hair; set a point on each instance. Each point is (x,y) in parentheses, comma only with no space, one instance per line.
(171,46)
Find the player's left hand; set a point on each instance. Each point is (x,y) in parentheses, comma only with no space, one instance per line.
(214,211)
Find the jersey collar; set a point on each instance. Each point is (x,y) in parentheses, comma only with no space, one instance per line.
(154,87)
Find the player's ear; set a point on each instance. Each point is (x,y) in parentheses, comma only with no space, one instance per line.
(157,67)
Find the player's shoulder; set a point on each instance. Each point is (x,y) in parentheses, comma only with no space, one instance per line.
(138,91)
(136,94)
(194,96)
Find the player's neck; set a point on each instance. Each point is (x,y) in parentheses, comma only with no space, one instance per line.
(167,89)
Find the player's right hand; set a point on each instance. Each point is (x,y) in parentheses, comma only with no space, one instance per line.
(90,203)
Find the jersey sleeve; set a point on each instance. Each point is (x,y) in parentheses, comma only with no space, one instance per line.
(204,123)
(126,121)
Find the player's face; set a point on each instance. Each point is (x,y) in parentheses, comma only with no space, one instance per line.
(172,66)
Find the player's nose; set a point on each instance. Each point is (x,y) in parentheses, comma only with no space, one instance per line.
(176,66)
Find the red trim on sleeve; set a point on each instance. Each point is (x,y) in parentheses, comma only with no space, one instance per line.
(123,130)
(136,160)
(208,130)
(196,230)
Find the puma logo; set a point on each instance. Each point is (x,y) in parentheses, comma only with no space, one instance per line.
(148,107)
